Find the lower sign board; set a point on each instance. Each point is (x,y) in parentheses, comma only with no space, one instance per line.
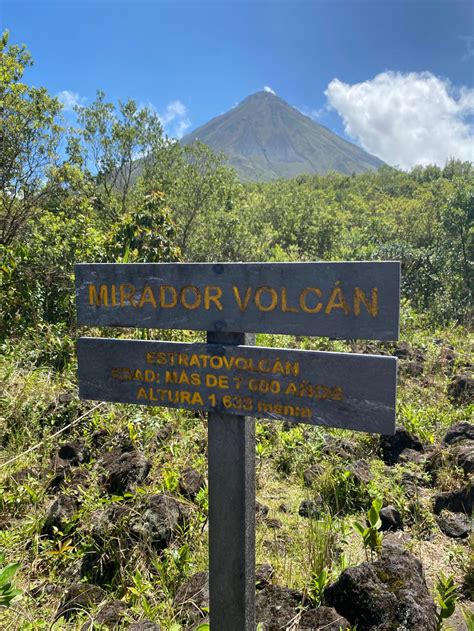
(342,390)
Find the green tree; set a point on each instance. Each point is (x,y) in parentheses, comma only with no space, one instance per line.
(29,142)
(115,146)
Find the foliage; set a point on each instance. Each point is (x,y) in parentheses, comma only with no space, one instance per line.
(115,145)
(124,192)
(8,592)
(371,535)
(446,597)
(146,234)
(29,142)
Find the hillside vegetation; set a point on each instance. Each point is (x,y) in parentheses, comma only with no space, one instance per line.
(103,508)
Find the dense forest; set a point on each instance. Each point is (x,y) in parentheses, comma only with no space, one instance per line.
(113,187)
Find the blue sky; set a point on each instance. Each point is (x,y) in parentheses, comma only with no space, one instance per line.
(381,72)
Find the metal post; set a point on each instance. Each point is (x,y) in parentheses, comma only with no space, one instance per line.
(231,465)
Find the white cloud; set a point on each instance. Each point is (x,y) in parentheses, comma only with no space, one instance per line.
(407,119)
(469,43)
(267,88)
(174,119)
(315,114)
(70,99)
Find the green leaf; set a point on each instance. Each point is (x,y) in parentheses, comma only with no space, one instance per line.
(359,528)
(8,573)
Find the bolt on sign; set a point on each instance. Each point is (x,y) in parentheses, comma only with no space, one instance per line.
(235,382)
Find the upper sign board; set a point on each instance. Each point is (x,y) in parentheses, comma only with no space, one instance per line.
(342,390)
(335,300)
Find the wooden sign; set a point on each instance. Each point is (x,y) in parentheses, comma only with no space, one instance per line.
(236,382)
(336,300)
(333,389)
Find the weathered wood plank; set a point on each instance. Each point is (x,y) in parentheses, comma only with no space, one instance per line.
(231,475)
(336,300)
(332,389)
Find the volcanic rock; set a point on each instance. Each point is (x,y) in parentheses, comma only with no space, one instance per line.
(191,482)
(391,519)
(310,508)
(459,501)
(192,597)
(456,525)
(124,470)
(80,597)
(61,511)
(388,594)
(276,607)
(392,446)
(461,389)
(325,618)
(459,432)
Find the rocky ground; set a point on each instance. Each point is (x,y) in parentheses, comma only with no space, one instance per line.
(108,520)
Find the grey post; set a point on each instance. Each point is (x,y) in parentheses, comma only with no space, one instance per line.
(231,466)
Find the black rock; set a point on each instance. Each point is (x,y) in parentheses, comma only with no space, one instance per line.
(80,597)
(153,520)
(388,594)
(411,359)
(413,368)
(343,448)
(463,456)
(61,511)
(109,522)
(70,478)
(272,523)
(448,357)
(360,470)
(276,607)
(284,508)
(122,443)
(23,475)
(461,389)
(403,350)
(391,519)
(192,597)
(392,446)
(124,471)
(191,482)
(102,565)
(458,432)
(312,473)
(413,456)
(156,519)
(263,575)
(111,615)
(325,618)
(310,508)
(459,501)
(163,434)
(99,438)
(456,525)
(144,625)
(71,454)
(261,510)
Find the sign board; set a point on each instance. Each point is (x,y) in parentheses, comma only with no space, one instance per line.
(333,389)
(236,382)
(336,300)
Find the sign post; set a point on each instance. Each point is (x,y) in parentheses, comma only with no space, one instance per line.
(231,476)
(233,380)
